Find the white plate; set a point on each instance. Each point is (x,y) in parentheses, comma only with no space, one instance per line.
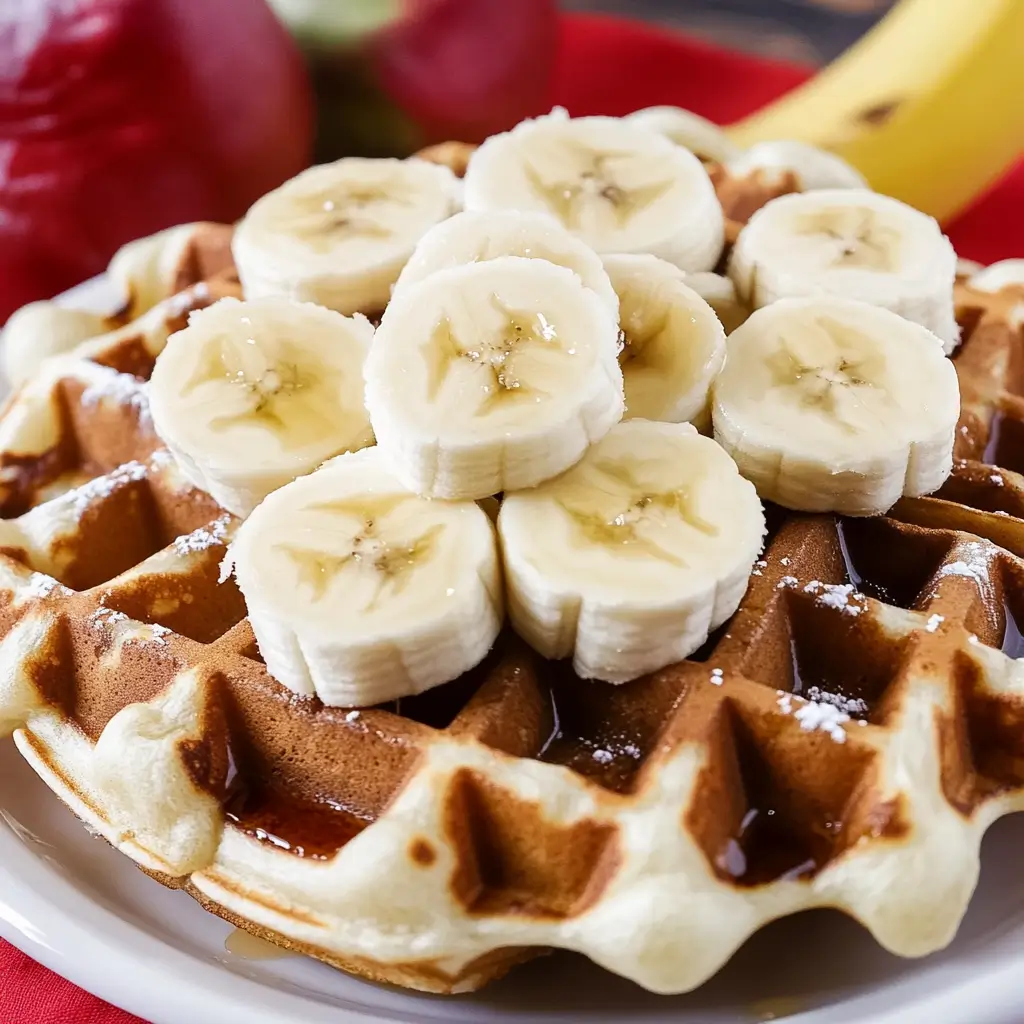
(82,909)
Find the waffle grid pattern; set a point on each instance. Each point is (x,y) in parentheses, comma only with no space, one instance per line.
(843,741)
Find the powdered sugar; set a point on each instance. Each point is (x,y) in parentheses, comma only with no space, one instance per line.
(41,585)
(716,677)
(203,538)
(82,498)
(106,617)
(813,715)
(841,596)
(121,389)
(934,622)
(855,707)
(611,749)
(973,564)
(787,581)
(176,305)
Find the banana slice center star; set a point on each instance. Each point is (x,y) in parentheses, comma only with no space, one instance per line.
(495,353)
(367,551)
(839,378)
(595,185)
(328,216)
(632,512)
(280,391)
(859,241)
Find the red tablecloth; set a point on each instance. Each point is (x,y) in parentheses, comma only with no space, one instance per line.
(610,67)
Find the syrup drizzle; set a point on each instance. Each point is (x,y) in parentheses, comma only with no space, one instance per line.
(249,947)
(1013,640)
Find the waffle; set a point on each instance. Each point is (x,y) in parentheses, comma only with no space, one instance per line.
(843,741)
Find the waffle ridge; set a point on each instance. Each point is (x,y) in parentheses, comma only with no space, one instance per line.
(843,741)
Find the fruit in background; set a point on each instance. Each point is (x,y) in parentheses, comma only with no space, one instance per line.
(121,117)
(927,105)
(394,75)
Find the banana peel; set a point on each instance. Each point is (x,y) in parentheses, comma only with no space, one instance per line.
(927,105)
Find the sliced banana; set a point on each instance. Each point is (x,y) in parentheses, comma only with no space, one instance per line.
(850,243)
(719,293)
(620,187)
(253,394)
(339,234)
(43,329)
(474,236)
(833,405)
(360,592)
(631,558)
(705,139)
(492,376)
(672,343)
(814,168)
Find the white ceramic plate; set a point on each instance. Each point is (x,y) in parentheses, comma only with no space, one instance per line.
(82,909)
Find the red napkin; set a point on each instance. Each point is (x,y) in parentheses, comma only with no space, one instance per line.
(607,66)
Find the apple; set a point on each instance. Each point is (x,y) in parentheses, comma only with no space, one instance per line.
(122,117)
(394,75)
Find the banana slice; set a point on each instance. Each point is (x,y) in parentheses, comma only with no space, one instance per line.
(850,243)
(492,377)
(720,294)
(339,234)
(814,168)
(631,558)
(475,236)
(833,405)
(253,394)
(673,344)
(619,187)
(700,136)
(360,592)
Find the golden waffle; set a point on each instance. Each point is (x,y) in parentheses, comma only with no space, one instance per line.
(843,741)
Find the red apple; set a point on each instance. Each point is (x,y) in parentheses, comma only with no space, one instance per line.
(121,117)
(394,75)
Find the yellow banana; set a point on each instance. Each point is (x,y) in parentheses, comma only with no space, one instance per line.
(927,105)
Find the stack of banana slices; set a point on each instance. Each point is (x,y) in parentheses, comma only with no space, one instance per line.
(563,411)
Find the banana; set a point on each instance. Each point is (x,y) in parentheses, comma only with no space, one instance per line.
(833,405)
(475,236)
(935,85)
(720,294)
(631,558)
(814,168)
(672,343)
(492,376)
(360,592)
(339,234)
(43,329)
(253,394)
(851,243)
(700,136)
(620,187)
